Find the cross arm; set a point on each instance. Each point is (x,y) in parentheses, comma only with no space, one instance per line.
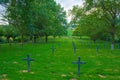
(75,62)
(83,62)
(24,59)
(27,59)
(79,62)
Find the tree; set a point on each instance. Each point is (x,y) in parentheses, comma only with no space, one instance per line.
(110,11)
(118,32)
(88,23)
(49,19)
(1,31)
(59,22)
(18,14)
(77,32)
(43,16)
(10,32)
(56,20)
(36,17)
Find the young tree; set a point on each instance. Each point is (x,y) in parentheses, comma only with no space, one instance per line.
(77,32)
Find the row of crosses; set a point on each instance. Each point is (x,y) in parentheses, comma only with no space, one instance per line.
(28,59)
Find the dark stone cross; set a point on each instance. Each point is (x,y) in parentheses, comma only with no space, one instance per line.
(79,65)
(59,45)
(53,49)
(104,45)
(88,44)
(97,49)
(28,59)
(74,47)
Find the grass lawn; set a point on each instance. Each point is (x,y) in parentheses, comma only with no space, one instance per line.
(101,65)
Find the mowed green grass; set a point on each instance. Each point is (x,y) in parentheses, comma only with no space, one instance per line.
(104,65)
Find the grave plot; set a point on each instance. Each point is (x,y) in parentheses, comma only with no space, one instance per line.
(28,59)
(79,63)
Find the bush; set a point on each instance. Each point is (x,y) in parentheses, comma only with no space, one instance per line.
(2,40)
(18,39)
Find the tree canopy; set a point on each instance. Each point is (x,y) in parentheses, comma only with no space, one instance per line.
(98,17)
(36,17)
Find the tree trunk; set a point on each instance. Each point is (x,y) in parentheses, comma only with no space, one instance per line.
(31,38)
(46,38)
(22,39)
(40,38)
(94,40)
(54,37)
(80,37)
(14,39)
(113,41)
(34,38)
(113,36)
(8,40)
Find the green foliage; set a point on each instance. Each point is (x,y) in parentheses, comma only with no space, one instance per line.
(8,31)
(109,11)
(59,23)
(18,39)
(76,13)
(2,40)
(1,31)
(97,17)
(77,32)
(3,2)
(36,17)
(89,24)
(69,32)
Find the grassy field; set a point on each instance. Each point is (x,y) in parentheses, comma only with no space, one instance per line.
(101,65)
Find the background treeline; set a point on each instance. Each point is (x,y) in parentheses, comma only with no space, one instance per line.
(97,19)
(33,18)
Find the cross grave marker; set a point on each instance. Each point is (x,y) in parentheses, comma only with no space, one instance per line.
(79,63)
(28,59)
(97,49)
(88,44)
(53,49)
(74,47)
(105,45)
